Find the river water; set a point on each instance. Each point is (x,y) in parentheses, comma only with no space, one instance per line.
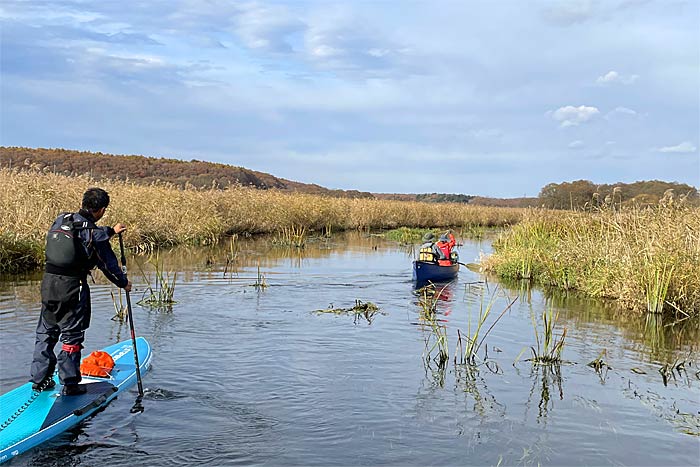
(254,375)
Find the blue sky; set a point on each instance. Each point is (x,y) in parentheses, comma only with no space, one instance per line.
(493,98)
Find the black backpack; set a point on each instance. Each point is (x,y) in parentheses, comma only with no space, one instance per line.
(64,247)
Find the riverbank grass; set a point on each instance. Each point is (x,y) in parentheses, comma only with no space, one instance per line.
(164,215)
(645,258)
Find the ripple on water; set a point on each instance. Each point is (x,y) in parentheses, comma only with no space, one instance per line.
(246,376)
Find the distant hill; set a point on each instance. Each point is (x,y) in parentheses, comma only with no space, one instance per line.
(142,169)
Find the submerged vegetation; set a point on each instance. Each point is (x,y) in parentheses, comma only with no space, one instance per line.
(361,310)
(645,257)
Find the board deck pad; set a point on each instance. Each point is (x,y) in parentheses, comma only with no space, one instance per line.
(28,418)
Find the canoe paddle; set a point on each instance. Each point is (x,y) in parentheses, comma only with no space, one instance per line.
(137,405)
(475,267)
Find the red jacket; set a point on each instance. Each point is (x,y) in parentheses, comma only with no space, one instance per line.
(446,248)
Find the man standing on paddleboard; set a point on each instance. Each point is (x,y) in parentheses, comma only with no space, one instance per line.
(74,246)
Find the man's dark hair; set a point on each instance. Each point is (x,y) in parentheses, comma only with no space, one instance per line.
(95,199)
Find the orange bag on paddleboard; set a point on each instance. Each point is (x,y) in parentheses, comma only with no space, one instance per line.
(98,363)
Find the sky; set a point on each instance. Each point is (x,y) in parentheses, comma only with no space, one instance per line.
(493,98)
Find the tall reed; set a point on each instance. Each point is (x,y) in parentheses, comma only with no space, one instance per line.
(292,236)
(162,214)
(647,258)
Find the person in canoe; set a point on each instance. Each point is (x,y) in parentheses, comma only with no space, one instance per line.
(445,245)
(429,251)
(74,246)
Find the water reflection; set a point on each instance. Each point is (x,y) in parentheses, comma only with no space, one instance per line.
(658,337)
(256,377)
(469,380)
(546,379)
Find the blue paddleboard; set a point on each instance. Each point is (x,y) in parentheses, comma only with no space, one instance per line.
(28,418)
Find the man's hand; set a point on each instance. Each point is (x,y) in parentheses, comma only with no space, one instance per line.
(119,228)
(128,287)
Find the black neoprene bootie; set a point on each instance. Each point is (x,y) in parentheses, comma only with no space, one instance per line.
(73,390)
(44,385)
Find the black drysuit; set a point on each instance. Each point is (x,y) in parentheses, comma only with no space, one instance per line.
(65,303)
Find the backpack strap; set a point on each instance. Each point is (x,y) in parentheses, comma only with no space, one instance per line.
(78,225)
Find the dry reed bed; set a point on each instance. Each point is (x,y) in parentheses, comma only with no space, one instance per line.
(160,214)
(649,258)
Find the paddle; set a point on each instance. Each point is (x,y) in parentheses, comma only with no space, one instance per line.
(471,266)
(137,404)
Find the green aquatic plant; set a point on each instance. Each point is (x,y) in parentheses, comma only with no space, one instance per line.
(120,309)
(406,235)
(439,343)
(260,282)
(291,236)
(678,366)
(232,253)
(475,232)
(160,292)
(601,366)
(549,346)
(436,345)
(428,299)
(657,278)
(365,310)
(360,310)
(474,338)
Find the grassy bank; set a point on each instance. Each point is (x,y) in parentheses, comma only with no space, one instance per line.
(160,214)
(649,259)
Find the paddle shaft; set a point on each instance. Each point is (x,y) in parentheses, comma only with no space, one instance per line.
(131,320)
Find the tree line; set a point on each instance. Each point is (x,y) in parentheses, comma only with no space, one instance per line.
(580,194)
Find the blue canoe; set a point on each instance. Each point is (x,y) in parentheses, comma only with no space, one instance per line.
(29,418)
(424,272)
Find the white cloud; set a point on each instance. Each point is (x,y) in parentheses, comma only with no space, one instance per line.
(573,116)
(324,51)
(685,147)
(375,52)
(267,27)
(613,77)
(578,144)
(622,111)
